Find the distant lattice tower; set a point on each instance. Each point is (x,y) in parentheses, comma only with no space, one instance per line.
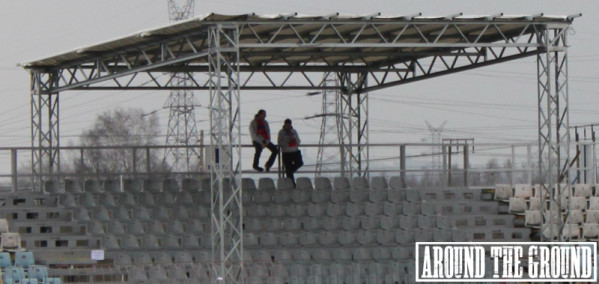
(331,130)
(436,147)
(182,129)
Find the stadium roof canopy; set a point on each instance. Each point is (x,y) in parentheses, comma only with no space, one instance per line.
(293,51)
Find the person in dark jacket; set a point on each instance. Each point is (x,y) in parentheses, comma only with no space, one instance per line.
(289,142)
(260,133)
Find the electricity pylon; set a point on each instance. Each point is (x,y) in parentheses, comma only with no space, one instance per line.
(182,129)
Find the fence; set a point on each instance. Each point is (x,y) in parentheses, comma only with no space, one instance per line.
(462,164)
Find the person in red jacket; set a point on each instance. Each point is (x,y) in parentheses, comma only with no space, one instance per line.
(260,133)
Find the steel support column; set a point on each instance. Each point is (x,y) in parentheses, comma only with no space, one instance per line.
(554,138)
(225,166)
(354,108)
(45,159)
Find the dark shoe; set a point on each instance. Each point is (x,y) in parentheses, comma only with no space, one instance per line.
(259,169)
(267,168)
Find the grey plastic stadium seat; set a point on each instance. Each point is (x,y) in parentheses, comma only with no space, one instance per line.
(141,259)
(583,190)
(590,231)
(523,190)
(300,196)
(377,195)
(92,186)
(594,203)
(339,196)
(175,227)
(307,239)
(310,223)
(137,275)
(534,204)
(341,254)
(321,183)
(381,254)
(409,208)
(288,239)
(551,230)
(373,209)
(575,217)
(146,198)
(407,222)
(252,225)
(361,254)
(196,226)
(184,198)
(127,199)
(346,238)
(378,183)
(503,192)
(150,241)
(165,198)
(256,211)
(4,226)
(571,231)
(282,196)
(95,227)
(110,242)
(441,235)
(385,237)
(320,196)
(136,227)
(115,227)
(192,241)
(101,214)
(132,185)
(121,213)
(296,210)
(87,200)
(316,210)
(394,195)
(334,209)
(130,242)
(291,224)
(171,185)
(390,209)
(326,238)
(388,222)
(113,186)
(341,183)
(369,222)
(359,183)
(67,200)
(350,223)
(365,238)
(190,185)
(52,186)
(73,186)
(358,195)
(592,217)
(263,196)
(272,224)
(122,259)
(155,227)
(183,258)
(161,213)
(106,199)
(321,255)
(140,213)
(423,235)
(395,183)
(577,203)
(266,184)
(517,205)
(331,223)
(277,210)
(413,195)
(81,214)
(180,213)
(427,222)
(405,237)
(284,183)
(152,185)
(303,183)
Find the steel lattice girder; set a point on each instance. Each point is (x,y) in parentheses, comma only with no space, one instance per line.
(554,138)
(45,160)
(225,166)
(293,54)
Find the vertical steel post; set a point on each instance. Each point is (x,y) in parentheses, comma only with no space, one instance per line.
(13,170)
(45,139)
(354,106)
(402,166)
(225,136)
(554,138)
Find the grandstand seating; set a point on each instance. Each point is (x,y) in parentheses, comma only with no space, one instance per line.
(351,229)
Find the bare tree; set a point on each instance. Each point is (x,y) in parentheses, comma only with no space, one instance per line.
(120,127)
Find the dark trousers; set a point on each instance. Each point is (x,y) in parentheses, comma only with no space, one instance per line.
(292,161)
(273,154)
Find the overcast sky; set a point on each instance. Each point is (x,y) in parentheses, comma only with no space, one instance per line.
(493,104)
